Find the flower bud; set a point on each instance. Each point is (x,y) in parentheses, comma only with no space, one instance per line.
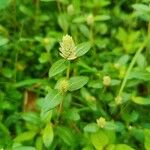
(67,48)
(46,41)
(122,72)
(117,65)
(101,122)
(70,9)
(130,127)
(90,19)
(106,80)
(118,100)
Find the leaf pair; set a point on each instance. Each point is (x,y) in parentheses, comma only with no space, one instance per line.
(62,64)
(54,98)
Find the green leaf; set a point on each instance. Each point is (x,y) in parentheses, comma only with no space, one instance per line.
(83,48)
(119,147)
(48,135)
(31,117)
(142,11)
(141,7)
(3,41)
(101,18)
(130,116)
(77,82)
(24,148)
(58,67)
(92,127)
(88,148)
(66,135)
(114,126)
(4,3)
(95,84)
(79,19)
(141,100)
(111,136)
(28,82)
(53,99)
(115,82)
(26,136)
(138,134)
(63,22)
(140,75)
(123,59)
(147,139)
(4,129)
(26,10)
(84,30)
(110,147)
(39,143)
(123,147)
(44,57)
(99,140)
(72,114)
(141,61)
(8,73)
(45,116)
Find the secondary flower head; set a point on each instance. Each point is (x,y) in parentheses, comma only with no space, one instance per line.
(70,9)
(67,48)
(90,19)
(118,100)
(101,122)
(63,87)
(106,80)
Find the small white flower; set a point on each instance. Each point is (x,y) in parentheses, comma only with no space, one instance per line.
(101,122)
(67,48)
(106,80)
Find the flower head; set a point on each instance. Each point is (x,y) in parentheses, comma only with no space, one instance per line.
(67,48)
(70,9)
(118,100)
(101,122)
(106,80)
(63,86)
(90,19)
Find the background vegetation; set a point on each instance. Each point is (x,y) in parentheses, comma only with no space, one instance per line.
(100,100)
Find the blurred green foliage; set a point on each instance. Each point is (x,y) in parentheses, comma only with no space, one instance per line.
(98,101)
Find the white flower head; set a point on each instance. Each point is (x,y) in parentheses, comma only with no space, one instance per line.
(101,122)
(106,80)
(67,48)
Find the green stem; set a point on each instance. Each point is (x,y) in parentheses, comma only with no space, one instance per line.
(68,71)
(59,110)
(130,68)
(58,6)
(37,12)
